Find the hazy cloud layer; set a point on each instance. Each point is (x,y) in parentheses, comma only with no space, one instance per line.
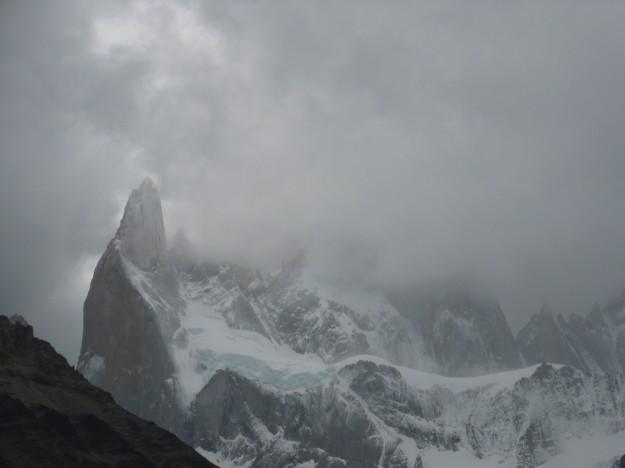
(406,140)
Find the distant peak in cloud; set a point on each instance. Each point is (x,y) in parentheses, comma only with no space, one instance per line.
(148,185)
(142,230)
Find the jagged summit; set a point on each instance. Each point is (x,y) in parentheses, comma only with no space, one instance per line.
(161,324)
(593,343)
(147,184)
(543,340)
(131,310)
(141,233)
(462,324)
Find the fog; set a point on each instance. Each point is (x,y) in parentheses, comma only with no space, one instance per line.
(396,141)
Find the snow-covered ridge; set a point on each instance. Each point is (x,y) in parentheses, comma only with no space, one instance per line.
(310,370)
(518,419)
(282,330)
(205,343)
(226,325)
(426,380)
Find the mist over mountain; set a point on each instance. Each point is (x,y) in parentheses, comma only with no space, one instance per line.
(51,415)
(253,222)
(294,367)
(403,142)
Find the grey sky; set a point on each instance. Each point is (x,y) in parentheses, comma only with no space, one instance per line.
(409,139)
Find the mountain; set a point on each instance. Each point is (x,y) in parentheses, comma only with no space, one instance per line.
(290,368)
(51,416)
(595,343)
(464,329)
(367,413)
(544,339)
(128,319)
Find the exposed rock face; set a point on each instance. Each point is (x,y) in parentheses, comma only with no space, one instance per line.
(465,333)
(371,415)
(131,311)
(595,343)
(141,231)
(141,297)
(272,369)
(312,315)
(50,416)
(331,425)
(543,340)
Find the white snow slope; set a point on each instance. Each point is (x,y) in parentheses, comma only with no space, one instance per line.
(206,342)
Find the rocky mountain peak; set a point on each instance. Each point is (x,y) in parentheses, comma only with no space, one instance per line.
(543,340)
(130,312)
(160,324)
(147,184)
(141,233)
(462,324)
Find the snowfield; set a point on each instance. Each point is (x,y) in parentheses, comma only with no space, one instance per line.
(205,343)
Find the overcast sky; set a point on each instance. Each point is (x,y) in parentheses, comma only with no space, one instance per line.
(408,139)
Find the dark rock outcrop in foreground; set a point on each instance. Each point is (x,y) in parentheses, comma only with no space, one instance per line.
(51,416)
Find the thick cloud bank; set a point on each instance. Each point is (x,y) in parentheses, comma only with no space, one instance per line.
(401,141)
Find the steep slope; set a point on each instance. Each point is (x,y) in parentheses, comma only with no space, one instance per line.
(264,369)
(280,328)
(465,331)
(595,343)
(370,414)
(543,339)
(155,321)
(158,323)
(51,416)
(130,313)
(335,321)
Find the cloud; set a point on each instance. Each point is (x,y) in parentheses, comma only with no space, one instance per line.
(410,140)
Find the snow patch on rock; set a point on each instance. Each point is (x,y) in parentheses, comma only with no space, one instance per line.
(93,367)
